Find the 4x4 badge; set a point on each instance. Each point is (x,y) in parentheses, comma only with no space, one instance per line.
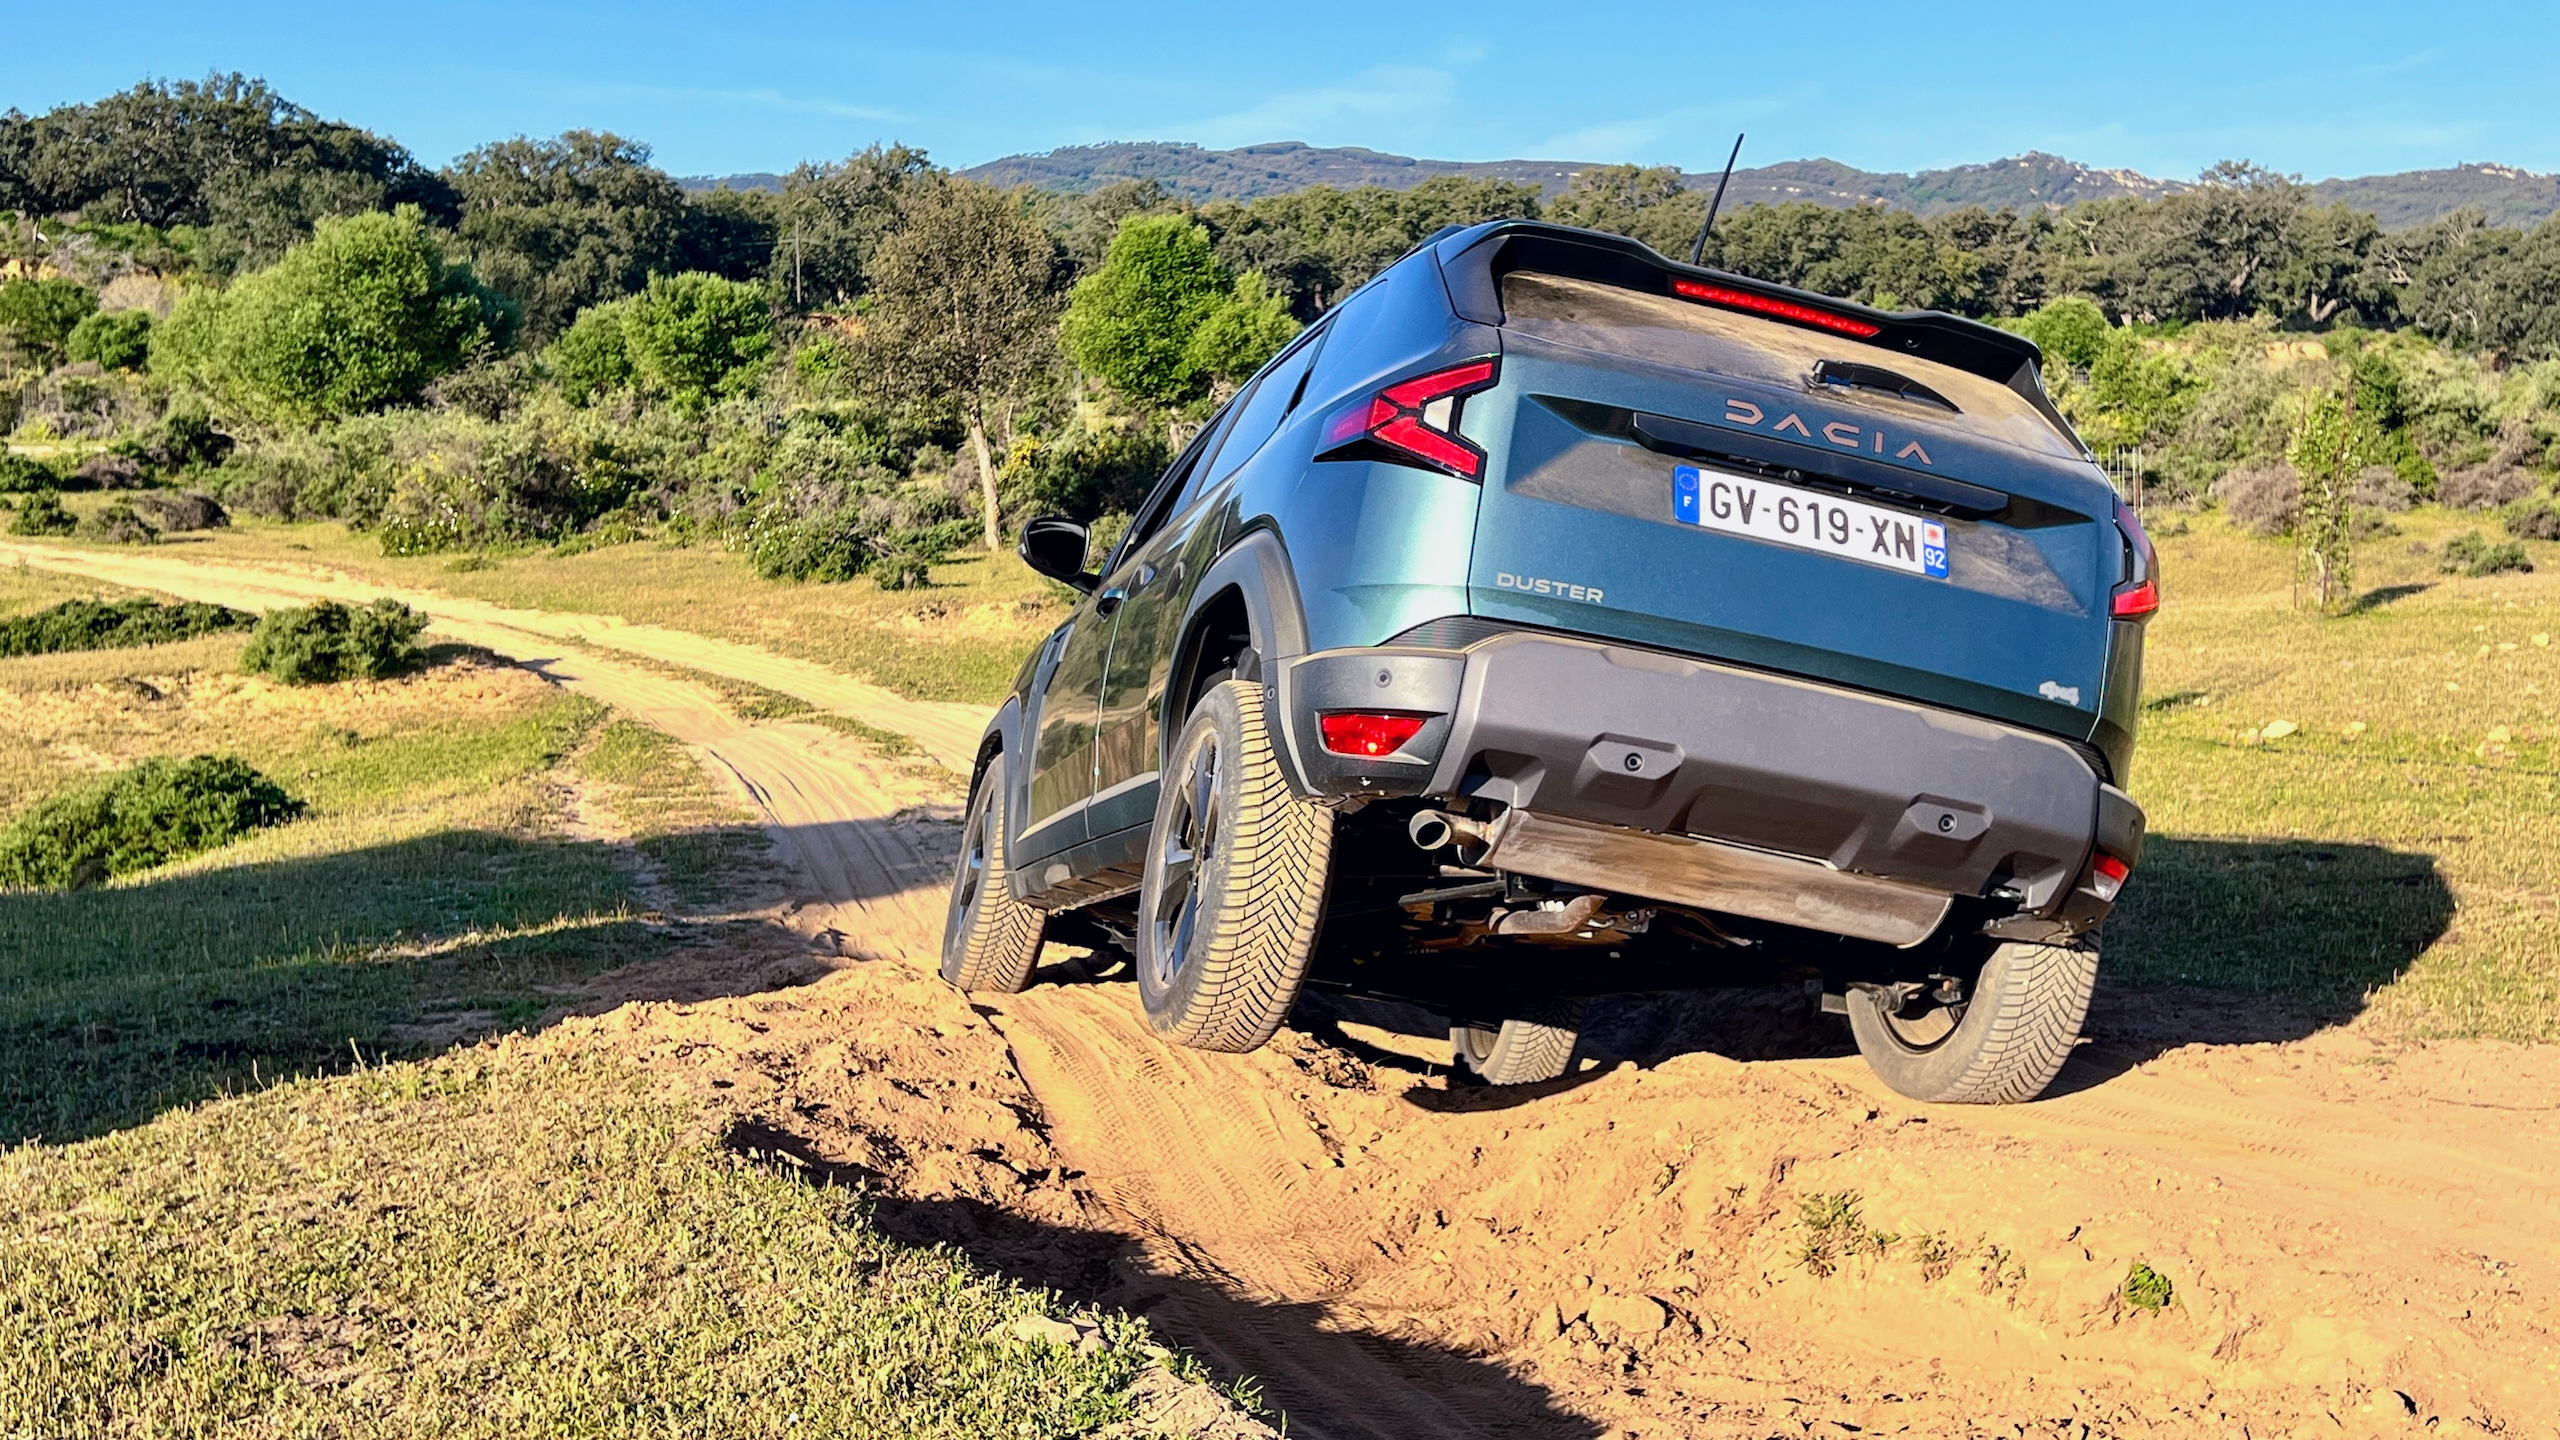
(1838,432)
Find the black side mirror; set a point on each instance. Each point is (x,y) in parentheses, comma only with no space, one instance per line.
(1054,546)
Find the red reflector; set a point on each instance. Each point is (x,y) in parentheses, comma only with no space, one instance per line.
(1776,309)
(1361,732)
(2134,602)
(1402,418)
(2107,875)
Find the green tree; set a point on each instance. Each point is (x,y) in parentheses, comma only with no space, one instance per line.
(2072,331)
(111,339)
(41,314)
(247,170)
(1316,245)
(1647,205)
(694,336)
(567,223)
(962,309)
(593,356)
(1131,320)
(2330,444)
(360,316)
(831,219)
(1241,332)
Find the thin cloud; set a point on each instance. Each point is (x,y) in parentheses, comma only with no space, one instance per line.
(1386,93)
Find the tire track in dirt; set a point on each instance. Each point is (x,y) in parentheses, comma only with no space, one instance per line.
(2348,1220)
(832,806)
(948,731)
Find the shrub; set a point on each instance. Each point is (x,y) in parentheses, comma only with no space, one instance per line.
(593,356)
(158,811)
(117,524)
(2533,518)
(2261,499)
(111,339)
(109,471)
(361,315)
(693,336)
(2072,331)
(174,513)
(2379,487)
(43,313)
(112,625)
(1085,473)
(42,514)
(2471,553)
(326,642)
(22,475)
(2484,487)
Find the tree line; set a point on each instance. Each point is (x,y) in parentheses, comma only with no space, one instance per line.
(551,337)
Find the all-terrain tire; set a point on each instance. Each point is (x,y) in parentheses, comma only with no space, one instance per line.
(1234,882)
(1525,1050)
(991,941)
(2004,1046)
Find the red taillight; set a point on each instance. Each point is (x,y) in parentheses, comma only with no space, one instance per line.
(2139,595)
(1419,418)
(1369,733)
(2107,875)
(1777,309)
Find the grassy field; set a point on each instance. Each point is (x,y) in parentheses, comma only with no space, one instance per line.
(962,638)
(2355,810)
(484,1247)
(428,891)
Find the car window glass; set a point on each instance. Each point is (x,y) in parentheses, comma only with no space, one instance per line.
(1159,504)
(1258,417)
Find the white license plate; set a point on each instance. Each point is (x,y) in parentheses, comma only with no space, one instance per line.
(1807,520)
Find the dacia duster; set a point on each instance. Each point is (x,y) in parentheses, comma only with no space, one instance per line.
(1553,619)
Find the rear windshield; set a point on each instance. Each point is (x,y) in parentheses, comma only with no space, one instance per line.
(1661,330)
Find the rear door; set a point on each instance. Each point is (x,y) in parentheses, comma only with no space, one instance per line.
(1726,485)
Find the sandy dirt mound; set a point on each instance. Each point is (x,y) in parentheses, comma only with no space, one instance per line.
(1720,1226)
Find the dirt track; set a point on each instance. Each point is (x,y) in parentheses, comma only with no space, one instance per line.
(2361,1233)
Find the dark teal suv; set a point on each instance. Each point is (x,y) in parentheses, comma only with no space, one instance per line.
(1553,619)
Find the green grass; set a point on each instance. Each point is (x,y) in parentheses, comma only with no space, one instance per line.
(426,893)
(961,638)
(484,1247)
(2390,850)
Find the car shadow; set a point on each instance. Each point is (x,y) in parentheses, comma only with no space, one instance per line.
(122,1001)
(1316,1378)
(2216,942)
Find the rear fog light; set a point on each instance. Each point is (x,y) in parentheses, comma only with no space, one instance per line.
(2107,875)
(1368,733)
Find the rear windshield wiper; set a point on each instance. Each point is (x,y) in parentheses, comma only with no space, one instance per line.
(1851,375)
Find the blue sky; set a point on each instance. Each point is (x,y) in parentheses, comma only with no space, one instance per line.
(2343,88)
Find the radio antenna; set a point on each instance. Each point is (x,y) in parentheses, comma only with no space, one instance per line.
(1698,252)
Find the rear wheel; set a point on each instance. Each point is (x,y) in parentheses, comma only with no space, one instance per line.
(1525,1049)
(990,941)
(1234,883)
(2004,1043)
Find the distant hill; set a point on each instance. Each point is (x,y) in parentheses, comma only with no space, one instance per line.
(758,180)
(1278,168)
(2507,195)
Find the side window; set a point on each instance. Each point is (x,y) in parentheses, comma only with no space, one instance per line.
(1160,502)
(1273,397)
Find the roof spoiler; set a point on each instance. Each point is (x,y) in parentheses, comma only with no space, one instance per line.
(1474,260)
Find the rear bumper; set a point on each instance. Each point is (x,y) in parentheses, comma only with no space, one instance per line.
(1618,736)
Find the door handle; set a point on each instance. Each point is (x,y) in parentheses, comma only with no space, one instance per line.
(1146,577)
(1108,602)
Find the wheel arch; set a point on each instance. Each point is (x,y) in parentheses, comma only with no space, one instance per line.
(1247,601)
